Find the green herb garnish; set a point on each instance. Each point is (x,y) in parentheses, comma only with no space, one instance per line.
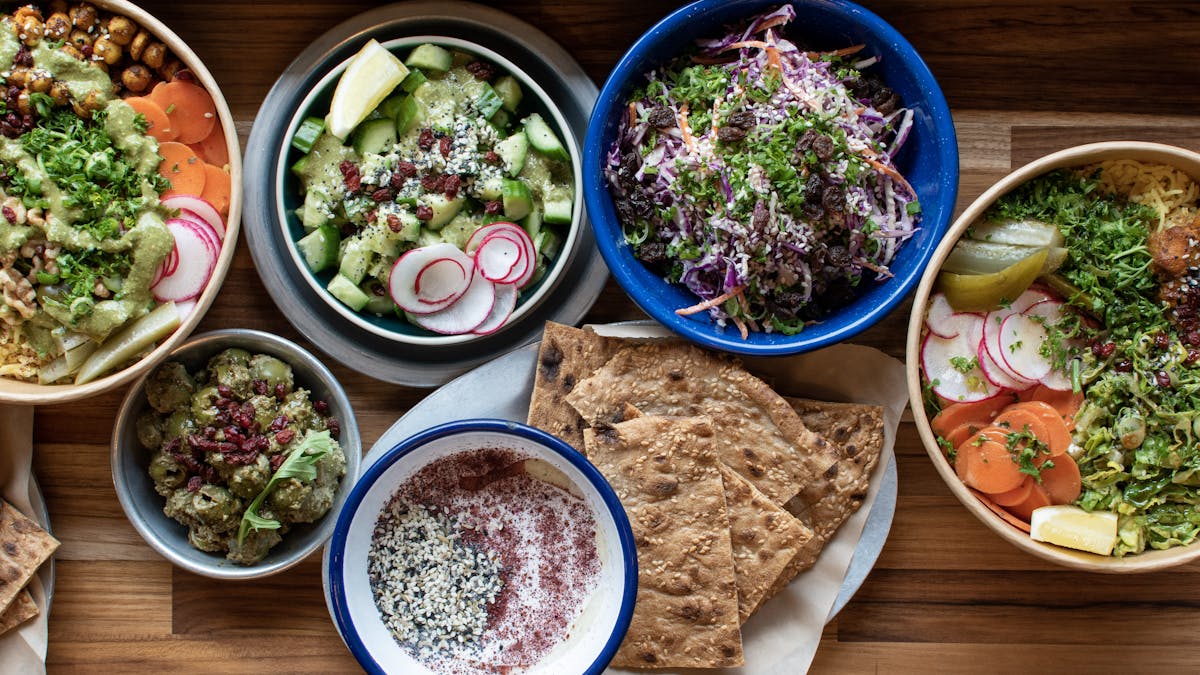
(300,464)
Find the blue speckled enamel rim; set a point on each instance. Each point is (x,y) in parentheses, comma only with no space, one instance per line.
(337,545)
(829,23)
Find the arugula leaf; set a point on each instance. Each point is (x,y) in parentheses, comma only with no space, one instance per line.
(301,464)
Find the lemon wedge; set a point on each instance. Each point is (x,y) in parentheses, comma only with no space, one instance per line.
(1071,526)
(372,74)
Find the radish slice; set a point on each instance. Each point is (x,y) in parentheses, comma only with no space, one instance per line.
(440,289)
(1021,340)
(944,361)
(1051,312)
(498,257)
(506,302)
(197,258)
(939,319)
(997,375)
(203,229)
(992,322)
(200,208)
(521,269)
(466,313)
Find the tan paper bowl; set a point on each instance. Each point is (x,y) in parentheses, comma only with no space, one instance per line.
(1186,160)
(12,391)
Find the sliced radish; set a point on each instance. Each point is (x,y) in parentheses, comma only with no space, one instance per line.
(997,375)
(203,229)
(200,208)
(506,302)
(443,286)
(992,322)
(499,256)
(197,258)
(466,313)
(1057,380)
(1021,340)
(1051,311)
(942,359)
(940,318)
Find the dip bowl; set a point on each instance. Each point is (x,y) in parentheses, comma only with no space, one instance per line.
(1147,561)
(144,507)
(594,633)
(928,160)
(288,197)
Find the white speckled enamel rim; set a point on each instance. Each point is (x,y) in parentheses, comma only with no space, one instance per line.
(12,391)
(554,276)
(1077,156)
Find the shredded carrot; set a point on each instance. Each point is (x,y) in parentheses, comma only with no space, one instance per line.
(632,113)
(755,44)
(771,23)
(873,267)
(773,59)
(716,105)
(682,119)
(741,327)
(894,174)
(845,51)
(711,302)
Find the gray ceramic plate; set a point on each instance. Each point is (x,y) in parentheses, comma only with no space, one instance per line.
(501,389)
(527,47)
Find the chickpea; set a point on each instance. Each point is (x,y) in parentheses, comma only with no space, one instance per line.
(138,45)
(80,111)
(58,26)
(24,106)
(137,78)
(93,101)
(72,50)
(154,55)
(60,92)
(39,82)
(84,16)
(30,30)
(80,39)
(121,30)
(100,64)
(26,11)
(18,76)
(107,50)
(170,69)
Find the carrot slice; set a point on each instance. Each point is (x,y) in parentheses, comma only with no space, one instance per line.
(213,148)
(961,433)
(1062,481)
(190,108)
(1055,435)
(1008,517)
(988,465)
(158,124)
(1016,495)
(1038,497)
(980,413)
(182,167)
(1016,419)
(216,188)
(1067,403)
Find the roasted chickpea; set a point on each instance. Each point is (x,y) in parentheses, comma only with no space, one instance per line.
(121,30)
(30,30)
(18,76)
(26,11)
(138,45)
(107,50)
(100,64)
(39,82)
(72,50)
(83,16)
(170,69)
(80,39)
(24,106)
(58,26)
(137,78)
(154,55)
(93,101)
(60,92)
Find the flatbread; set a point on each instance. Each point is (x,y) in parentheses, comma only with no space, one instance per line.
(765,538)
(667,476)
(567,355)
(761,437)
(23,547)
(18,612)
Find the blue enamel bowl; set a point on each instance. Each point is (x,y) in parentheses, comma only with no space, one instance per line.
(929,161)
(595,633)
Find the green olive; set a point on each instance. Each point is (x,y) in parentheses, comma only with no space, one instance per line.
(203,409)
(166,473)
(150,430)
(216,507)
(206,539)
(271,369)
(178,425)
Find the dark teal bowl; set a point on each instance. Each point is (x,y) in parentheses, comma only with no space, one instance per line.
(929,160)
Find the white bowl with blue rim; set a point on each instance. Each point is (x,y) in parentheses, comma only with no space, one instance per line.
(597,632)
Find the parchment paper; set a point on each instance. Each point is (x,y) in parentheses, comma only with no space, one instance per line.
(783,636)
(22,651)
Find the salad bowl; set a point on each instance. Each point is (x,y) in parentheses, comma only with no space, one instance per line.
(928,160)
(194,308)
(920,389)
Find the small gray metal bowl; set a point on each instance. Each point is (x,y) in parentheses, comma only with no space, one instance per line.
(144,507)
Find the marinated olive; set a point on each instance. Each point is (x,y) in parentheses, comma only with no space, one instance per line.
(272,370)
(170,388)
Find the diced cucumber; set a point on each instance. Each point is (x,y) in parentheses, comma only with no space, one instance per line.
(487,102)
(558,205)
(459,230)
(414,79)
(308,133)
(389,106)
(431,58)
(410,227)
(319,248)
(347,292)
(460,59)
(513,151)
(374,136)
(377,303)
(300,165)
(518,201)
(489,187)
(501,120)
(356,258)
(532,223)
(315,211)
(409,113)
(542,138)
(489,218)
(509,91)
(429,237)
(444,209)
(547,243)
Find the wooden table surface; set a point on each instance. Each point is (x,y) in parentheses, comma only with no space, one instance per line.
(1023,78)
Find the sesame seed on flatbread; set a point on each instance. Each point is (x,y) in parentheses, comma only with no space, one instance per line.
(566,356)
(24,546)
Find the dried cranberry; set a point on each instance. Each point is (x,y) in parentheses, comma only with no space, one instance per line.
(381,195)
(444,145)
(350,175)
(87,51)
(260,387)
(431,182)
(393,223)
(406,169)
(451,185)
(493,207)
(1123,366)
(23,57)
(284,437)
(9,214)
(1193,356)
(224,391)
(1193,338)
(280,391)
(481,70)
(1162,341)
(1163,379)
(396,181)
(1103,350)
(333,426)
(425,139)
(194,483)
(424,212)
(276,462)
(491,157)
(321,406)
(279,423)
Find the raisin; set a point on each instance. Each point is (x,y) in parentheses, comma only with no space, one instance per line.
(761,216)
(424,212)
(451,185)
(823,147)
(425,139)
(493,207)
(744,119)
(481,70)
(444,145)
(381,195)
(662,117)
(729,134)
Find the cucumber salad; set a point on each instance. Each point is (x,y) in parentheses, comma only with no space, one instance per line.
(430,192)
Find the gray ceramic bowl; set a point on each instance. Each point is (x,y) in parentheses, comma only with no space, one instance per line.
(144,507)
